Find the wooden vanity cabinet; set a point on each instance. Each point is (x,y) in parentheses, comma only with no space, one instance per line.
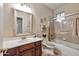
(32,49)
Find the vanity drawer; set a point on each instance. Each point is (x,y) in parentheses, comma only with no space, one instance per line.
(25,47)
(29,52)
(38,43)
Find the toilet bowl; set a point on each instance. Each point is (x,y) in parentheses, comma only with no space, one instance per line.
(47,50)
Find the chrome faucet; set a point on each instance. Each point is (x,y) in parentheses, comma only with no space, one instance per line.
(23,37)
(34,35)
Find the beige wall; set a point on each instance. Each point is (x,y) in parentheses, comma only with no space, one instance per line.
(1,24)
(1,18)
(68,9)
(8,20)
(39,11)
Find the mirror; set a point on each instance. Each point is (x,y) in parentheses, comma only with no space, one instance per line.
(23,22)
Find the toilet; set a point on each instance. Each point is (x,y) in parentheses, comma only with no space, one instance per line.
(50,50)
(47,50)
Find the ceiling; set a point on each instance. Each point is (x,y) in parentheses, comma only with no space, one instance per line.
(54,5)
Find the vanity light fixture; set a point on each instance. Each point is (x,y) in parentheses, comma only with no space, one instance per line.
(23,7)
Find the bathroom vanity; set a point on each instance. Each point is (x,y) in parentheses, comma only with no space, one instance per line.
(22,46)
(32,47)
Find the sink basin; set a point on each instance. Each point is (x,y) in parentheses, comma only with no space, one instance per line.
(23,40)
(26,40)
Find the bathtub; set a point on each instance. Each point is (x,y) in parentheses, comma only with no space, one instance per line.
(69,44)
(66,48)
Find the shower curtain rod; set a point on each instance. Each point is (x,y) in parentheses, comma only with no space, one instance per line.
(67,15)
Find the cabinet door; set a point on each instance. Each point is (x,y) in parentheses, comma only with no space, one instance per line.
(29,52)
(38,51)
(11,52)
(26,47)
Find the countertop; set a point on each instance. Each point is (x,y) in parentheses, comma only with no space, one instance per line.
(18,42)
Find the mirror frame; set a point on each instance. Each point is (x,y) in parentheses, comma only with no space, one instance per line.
(15,27)
(77,29)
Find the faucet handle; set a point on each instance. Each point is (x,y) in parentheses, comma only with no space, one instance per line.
(23,37)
